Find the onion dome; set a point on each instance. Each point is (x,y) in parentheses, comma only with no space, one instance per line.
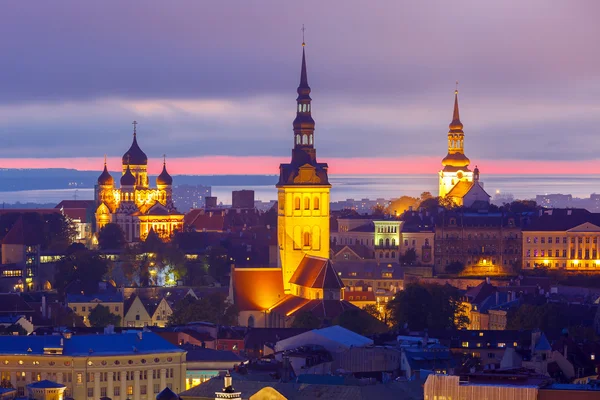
(135,155)
(105,178)
(164,178)
(457,160)
(127,179)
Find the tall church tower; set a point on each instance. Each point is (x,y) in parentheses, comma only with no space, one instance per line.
(456,164)
(303,192)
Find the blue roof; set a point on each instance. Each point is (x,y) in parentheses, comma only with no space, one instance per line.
(9,319)
(543,344)
(110,297)
(89,345)
(46,384)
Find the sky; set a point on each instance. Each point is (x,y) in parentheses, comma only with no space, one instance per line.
(213,83)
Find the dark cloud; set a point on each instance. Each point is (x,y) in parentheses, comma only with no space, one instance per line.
(61,60)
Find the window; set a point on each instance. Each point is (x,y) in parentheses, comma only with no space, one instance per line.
(143,389)
(304,139)
(251,321)
(79,378)
(156,388)
(306,239)
(550,239)
(83,308)
(117,391)
(116,308)
(316,203)
(103,392)
(129,390)
(542,240)
(90,392)
(465,344)
(491,355)
(307,203)
(74,308)
(501,345)
(297,203)
(564,239)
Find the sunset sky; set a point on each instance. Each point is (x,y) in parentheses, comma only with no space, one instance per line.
(213,84)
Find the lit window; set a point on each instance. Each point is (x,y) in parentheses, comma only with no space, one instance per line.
(465,344)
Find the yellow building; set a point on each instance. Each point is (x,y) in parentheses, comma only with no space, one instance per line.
(303,193)
(563,239)
(82,305)
(146,312)
(135,206)
(133,366)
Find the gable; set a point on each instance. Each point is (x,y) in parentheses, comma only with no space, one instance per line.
(137,308)
(585,227)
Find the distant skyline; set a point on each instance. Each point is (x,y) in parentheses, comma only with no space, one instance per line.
(213,85)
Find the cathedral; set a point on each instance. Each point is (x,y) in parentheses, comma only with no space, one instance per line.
(457,182)
(304,280)
(134,205)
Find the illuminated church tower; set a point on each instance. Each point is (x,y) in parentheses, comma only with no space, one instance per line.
(303,192)
(456,164)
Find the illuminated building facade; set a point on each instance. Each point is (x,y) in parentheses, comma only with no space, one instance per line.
(303,193)
(135,206)
(563,239)
(456,180)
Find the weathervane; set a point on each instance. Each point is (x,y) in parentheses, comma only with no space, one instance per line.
(456,89)
(303,30)
(134,123)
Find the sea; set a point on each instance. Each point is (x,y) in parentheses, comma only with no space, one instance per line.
(367,186)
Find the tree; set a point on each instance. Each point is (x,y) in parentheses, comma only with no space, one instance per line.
(100,317)
(306,320)
(455,267)
(373,311)
(111,237)
(409,257)
(433,306)
(217,261)
(521,206)
(378,210)
(532,316)
(402,204)
(212,308)
(86,266)
(359,321)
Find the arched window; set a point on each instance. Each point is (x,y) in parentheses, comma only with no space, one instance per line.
(304,139)
(393,242)
(318,295)
(381,242)
(297,203)
(310,140)
(306,203)
(387,242)
(306,239)
(303,107)
(299,107)
(308,107)
(251,321)
(297,139)
(387,255)
(316,203)
(393,254)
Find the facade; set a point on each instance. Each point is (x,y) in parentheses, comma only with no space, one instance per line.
(136,206)
(82,305)
(146,312)
(119,366)
(456,181)
(563,239)
(488,241)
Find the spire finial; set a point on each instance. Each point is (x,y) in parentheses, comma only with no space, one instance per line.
(456,89)
(164,159)
(105,160)
(303,30)
(134,123)
(129,158)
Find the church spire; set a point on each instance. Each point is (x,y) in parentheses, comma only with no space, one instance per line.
(456,125)
(304,125)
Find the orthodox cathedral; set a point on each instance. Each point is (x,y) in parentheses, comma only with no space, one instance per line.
(135,206)
(304,280)
(457,181)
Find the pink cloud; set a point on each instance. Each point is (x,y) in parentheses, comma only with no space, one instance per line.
(253,165)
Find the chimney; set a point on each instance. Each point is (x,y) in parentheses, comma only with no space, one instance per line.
(487,280)
(497,297)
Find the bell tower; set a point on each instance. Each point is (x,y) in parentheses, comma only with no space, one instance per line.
(456,163)
(302,192)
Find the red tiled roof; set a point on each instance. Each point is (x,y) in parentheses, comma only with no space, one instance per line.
(200,220)
(316,272)
(76,213)
(257,288)
(75,204)
(21,234)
